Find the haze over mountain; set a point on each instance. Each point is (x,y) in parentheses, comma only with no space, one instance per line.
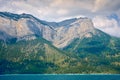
(30,45)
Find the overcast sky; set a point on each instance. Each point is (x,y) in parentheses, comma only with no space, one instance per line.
(105,14)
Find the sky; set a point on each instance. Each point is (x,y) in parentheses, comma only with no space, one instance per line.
(105,14)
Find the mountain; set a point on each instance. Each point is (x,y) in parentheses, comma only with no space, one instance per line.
(29,45)
(25,26)
(22,27)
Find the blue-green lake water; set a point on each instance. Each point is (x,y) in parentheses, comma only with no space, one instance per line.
(59,77)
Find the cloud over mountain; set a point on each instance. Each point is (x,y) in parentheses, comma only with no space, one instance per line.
(57,10)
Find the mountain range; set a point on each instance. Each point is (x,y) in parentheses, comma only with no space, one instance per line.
(29,45)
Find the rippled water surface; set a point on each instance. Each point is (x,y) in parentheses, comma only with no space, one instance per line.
(59,77)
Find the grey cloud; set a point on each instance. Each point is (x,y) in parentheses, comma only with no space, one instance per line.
(60,8)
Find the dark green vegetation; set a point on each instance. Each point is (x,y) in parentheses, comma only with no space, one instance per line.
(35,56)
(97,44)
(96,54)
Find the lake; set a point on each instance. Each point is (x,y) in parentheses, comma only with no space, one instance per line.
(59,77)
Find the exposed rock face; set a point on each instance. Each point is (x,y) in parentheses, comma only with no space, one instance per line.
(28,27)
(23,28)
(76,29)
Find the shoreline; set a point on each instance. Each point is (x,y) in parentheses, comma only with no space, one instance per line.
(57,74)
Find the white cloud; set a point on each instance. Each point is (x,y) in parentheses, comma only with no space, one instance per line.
(99,4)
(62,12)
(107,25)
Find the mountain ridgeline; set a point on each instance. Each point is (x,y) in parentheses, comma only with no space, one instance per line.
(29,45)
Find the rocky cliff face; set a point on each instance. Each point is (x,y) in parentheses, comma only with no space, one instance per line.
(21,27)
(27,27)
(81,27)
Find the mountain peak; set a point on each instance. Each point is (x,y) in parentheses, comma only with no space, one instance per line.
(59,33)
(77,28)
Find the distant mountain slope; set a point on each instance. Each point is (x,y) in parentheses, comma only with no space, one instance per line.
(94,43)
(29,45)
